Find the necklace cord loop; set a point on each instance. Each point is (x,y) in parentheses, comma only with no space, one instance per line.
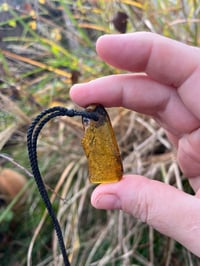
(32,136)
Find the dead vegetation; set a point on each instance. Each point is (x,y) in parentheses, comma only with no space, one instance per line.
(50,42)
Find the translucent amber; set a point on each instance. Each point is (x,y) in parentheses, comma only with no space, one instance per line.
(101,149)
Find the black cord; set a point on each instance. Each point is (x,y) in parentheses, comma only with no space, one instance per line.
(32,136)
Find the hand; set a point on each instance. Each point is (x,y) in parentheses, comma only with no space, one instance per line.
(169,91)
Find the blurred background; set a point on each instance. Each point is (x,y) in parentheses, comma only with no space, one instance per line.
(45,47)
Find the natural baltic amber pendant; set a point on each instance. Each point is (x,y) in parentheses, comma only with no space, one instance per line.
(101,149)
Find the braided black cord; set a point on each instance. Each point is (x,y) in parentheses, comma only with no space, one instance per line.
(32,149)
(32,136)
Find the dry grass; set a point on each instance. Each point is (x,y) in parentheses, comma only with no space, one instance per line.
(36,71)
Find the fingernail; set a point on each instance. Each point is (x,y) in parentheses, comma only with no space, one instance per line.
(107,201)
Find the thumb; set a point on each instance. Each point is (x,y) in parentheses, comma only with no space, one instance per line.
(169,210)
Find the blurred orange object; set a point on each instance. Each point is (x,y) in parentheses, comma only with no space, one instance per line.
(11,182)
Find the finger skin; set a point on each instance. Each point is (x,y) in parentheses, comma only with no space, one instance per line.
(189,159)
(142,94)
(163,59)
(169,210)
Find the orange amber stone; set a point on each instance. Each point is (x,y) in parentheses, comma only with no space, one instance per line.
(101,149)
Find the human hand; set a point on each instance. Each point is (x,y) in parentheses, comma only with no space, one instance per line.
(169,92)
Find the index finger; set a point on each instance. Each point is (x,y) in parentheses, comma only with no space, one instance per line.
(164,60)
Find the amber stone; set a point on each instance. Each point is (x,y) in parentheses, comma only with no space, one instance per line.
(101,148)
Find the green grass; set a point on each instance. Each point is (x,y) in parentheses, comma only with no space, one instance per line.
(36,65)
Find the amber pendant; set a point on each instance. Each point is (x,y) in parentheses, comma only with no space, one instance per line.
(101,149)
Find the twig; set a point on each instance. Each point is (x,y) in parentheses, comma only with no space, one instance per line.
(10,159)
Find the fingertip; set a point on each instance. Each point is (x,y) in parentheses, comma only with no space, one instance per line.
(103,43)
(100,41)
(77,94)
(108,196)
(74,90)
(108,201)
